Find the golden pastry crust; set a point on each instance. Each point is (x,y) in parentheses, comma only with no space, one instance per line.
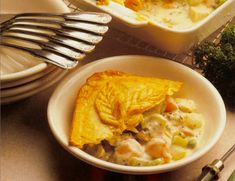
(135,5)
(102,2)
(112,101)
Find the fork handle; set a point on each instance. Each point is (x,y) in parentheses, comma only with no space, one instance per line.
(100,18)
(52,58)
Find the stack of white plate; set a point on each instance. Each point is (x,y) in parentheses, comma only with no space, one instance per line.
(23,75)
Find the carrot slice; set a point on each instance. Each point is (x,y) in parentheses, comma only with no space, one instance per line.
(170,104)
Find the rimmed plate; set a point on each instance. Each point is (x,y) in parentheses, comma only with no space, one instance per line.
(31,85)
(16,64)
(50,80)
(15,69)
(196,87)
(27,79)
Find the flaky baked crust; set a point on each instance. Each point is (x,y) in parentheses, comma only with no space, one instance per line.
(112,101)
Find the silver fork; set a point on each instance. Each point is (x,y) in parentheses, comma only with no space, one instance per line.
(99,18)
(79,45)
(69,37)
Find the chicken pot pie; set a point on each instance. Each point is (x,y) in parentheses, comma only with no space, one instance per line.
(134,120)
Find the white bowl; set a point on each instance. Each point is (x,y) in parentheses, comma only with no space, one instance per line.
(196,87)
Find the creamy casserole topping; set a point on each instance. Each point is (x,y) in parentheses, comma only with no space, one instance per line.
(177,14)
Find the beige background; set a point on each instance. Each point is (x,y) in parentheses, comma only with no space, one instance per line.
(29,151)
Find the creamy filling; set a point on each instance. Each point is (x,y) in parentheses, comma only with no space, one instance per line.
(169,132)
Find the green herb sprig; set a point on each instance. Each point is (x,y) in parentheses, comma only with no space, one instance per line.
(217,62)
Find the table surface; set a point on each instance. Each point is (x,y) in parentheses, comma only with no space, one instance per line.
(30,152)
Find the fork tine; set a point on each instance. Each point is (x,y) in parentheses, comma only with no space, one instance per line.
(46,56)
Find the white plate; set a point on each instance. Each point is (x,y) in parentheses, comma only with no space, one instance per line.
(27,79)
(50,81)
(14,91)
(196,87)
(17,64)
(28,6)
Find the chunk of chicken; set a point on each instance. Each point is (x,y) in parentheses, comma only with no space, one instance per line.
(187,131)
(186,105)
(102,2)
(195,2)
(157,148)
(197,13)
(193,120)
(127,149)
(135,5)
(211,3)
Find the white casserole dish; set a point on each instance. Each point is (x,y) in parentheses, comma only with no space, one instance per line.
(162,37)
